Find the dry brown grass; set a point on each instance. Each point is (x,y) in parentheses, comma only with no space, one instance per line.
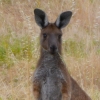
(16,18)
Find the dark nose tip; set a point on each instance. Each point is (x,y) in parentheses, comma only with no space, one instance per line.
(53,48)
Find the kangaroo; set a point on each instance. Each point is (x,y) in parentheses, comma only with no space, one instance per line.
(51,80)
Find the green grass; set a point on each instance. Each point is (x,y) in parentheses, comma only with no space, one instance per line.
(74,48)
(6,1)
(14,48)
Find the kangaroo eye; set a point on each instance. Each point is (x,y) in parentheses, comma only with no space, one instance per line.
(44,35)
(59,36)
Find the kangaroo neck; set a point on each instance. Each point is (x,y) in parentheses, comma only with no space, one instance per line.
(49,60)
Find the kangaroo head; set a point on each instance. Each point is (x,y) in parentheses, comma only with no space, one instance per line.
(51,33)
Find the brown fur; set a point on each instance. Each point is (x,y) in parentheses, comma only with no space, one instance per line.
(67,86)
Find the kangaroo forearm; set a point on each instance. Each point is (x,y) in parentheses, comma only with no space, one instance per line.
(66,97)
(36,91)
(66,91)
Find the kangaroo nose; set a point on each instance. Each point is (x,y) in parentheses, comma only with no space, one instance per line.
(53,48)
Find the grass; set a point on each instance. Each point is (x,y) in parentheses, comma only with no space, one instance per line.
(19,45)
(16,49)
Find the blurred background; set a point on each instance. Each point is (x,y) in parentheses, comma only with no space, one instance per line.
(19,44)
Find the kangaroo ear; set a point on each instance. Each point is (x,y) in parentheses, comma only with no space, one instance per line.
(63,19)
(41,18)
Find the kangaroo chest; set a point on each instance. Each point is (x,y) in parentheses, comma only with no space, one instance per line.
(50,77)
(49,71)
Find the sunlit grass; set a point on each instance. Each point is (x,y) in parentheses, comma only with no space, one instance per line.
(19,48)
(19,45)
(14,49)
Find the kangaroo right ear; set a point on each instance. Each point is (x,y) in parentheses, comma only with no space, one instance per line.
(63,19)
(41,18)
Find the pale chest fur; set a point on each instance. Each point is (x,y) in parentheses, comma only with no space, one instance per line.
(50,77)
(49,69)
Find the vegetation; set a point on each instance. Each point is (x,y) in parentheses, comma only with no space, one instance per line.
(19,44)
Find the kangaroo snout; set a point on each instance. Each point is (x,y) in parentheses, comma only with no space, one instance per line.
(53,49)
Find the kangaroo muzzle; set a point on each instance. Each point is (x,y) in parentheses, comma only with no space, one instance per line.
(53,49)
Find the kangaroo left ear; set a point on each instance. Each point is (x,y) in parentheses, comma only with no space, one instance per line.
(41,18)
(63,19)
